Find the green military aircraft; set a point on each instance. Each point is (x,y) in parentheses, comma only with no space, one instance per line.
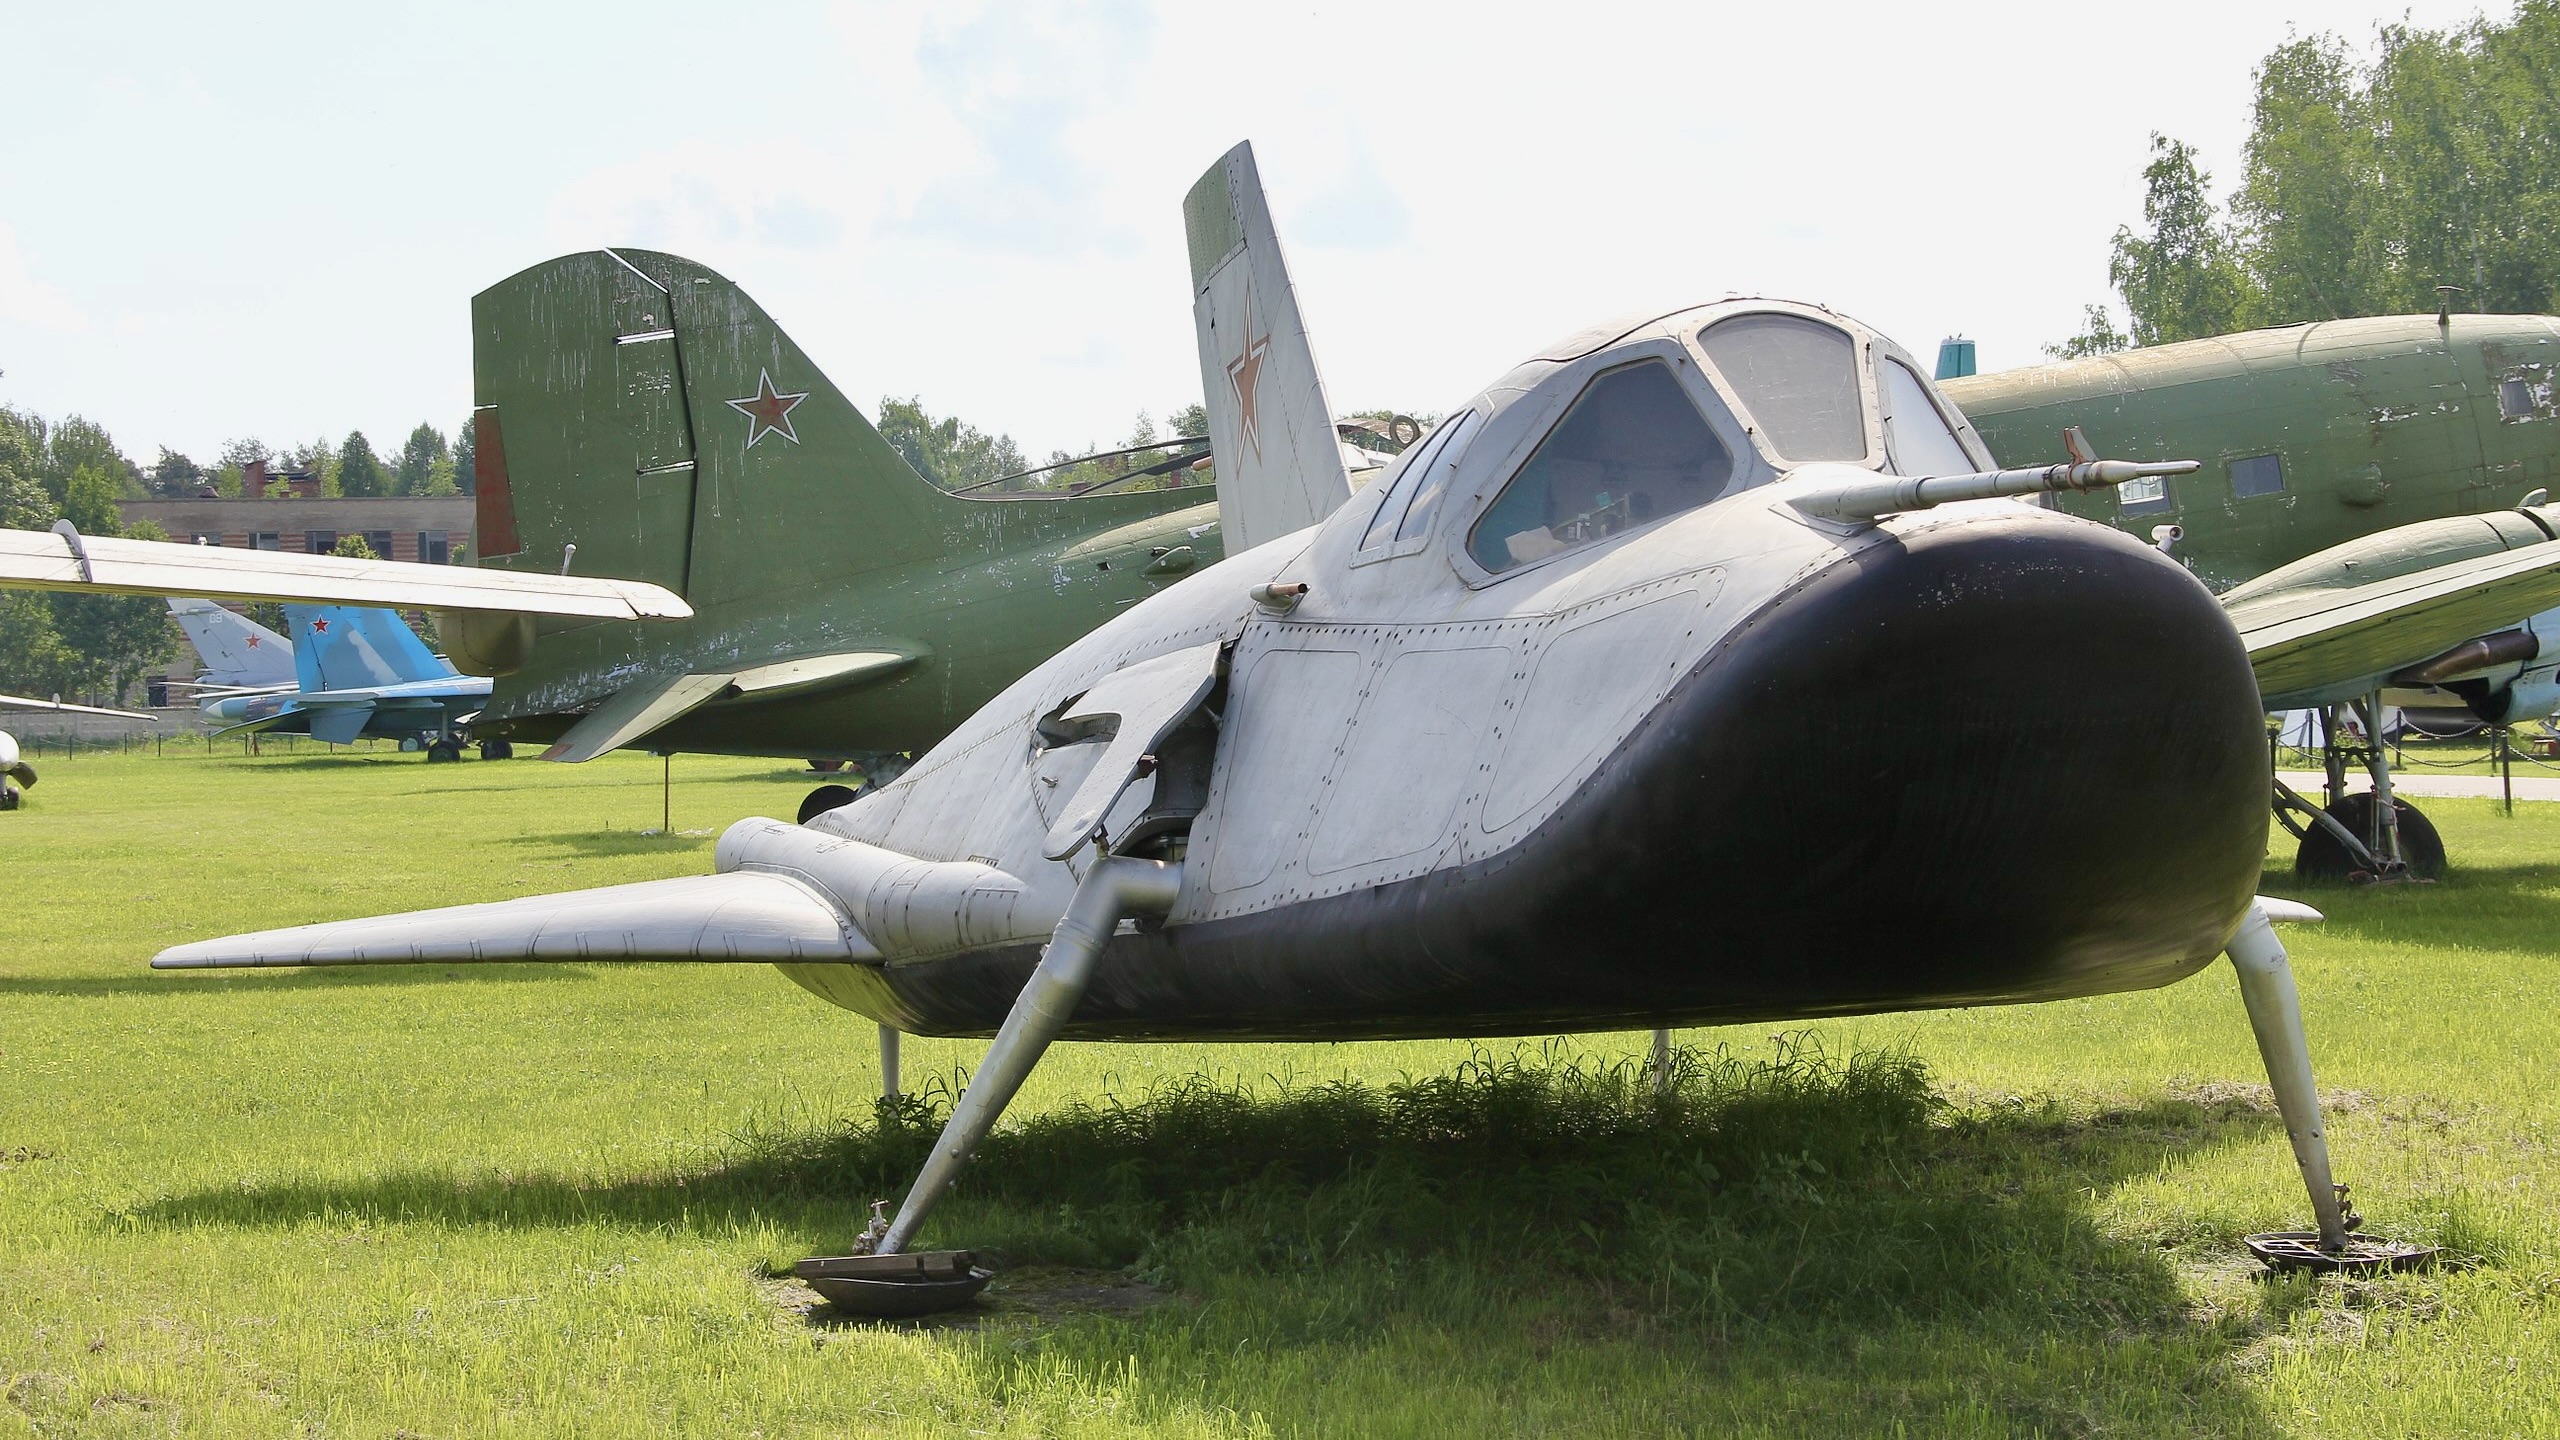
(2379,461)
(639,416)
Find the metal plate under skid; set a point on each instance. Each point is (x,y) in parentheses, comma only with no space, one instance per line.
(890,1287)
(2300,1250)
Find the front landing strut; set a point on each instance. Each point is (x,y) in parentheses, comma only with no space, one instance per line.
(2275,1015)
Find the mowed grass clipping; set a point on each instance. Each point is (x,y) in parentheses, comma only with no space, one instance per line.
(527,1200)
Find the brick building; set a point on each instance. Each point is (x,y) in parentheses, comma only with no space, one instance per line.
(432,528)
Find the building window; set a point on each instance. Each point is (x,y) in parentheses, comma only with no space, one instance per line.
(266,540)
(379,542)
(434,548)
(319,542)
(2257,475)
(201,538)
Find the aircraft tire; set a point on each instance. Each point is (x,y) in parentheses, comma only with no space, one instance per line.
(824,799)
(444,751)
(497,750)
(8,796)
(2321,857)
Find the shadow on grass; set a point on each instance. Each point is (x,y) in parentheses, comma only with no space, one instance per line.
(1794,1223)
(2492,906)
(190,984)
(613,844)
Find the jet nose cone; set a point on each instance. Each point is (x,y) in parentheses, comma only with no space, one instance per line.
(2016,756)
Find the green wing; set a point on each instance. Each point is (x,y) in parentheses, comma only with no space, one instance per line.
(2312,644)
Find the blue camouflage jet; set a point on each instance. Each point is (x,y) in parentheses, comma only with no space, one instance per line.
(363,671)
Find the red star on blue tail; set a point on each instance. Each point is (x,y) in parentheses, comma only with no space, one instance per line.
(768,411)
(318,627)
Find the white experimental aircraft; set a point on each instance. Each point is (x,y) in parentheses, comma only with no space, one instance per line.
(1696,670)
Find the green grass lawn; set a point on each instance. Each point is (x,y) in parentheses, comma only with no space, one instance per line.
(562,1200)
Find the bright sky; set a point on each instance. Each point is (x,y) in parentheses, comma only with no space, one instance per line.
(269,220)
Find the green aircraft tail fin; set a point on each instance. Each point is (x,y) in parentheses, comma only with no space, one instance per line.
(641,408)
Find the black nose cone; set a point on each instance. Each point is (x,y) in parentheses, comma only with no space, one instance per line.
(2005,758)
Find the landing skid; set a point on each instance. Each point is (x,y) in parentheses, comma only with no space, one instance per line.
(2275,1016)
(878,1278)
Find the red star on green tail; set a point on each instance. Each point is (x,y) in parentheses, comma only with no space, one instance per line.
(768,412)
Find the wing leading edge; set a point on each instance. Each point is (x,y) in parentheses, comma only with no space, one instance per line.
(63,559)
(2310,646)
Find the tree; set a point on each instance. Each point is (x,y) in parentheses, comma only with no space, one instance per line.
(419,455)
(72,645)
(464,458)
(2184,279)
(76,444)
(2098,336)
(237,457)
(1191,421)
(949,452)
(174,476)
(355,547)
(23,503)
(89,502)
(359,472)
(320,458)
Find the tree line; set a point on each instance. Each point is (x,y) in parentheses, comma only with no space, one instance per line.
(427,464)
(2421,171)
(92,648)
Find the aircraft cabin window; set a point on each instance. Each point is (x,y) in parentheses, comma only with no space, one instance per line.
(1435,481)
(1411,471)
(1632,449)
(2146,496)
(2522,399)
(2257,475)
(1799,380)
(1917,439)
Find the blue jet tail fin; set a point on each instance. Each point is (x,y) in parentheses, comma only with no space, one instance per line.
(347,647)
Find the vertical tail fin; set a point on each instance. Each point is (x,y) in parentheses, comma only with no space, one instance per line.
(640,407)
(235,649)
(1279,460)
(348,647)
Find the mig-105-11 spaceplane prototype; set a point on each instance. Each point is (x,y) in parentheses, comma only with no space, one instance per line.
(1511,742)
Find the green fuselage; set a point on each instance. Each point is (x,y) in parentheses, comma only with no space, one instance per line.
(2310,435)
(1013,582)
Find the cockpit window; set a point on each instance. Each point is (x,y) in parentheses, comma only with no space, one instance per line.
(1799,380)
(1411,470)
(1917,439)
(1632,449)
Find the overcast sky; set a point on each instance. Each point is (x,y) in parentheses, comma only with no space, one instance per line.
(269,220)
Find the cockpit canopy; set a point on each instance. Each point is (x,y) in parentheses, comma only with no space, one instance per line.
(1626,424)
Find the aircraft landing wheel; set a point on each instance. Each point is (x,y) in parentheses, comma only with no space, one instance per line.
(497,750)
(8,796)
(824,799)
(444,752)
(411,742)
(2321,857)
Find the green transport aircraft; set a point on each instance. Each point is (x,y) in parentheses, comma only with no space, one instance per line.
(2384,457)
(640,417)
